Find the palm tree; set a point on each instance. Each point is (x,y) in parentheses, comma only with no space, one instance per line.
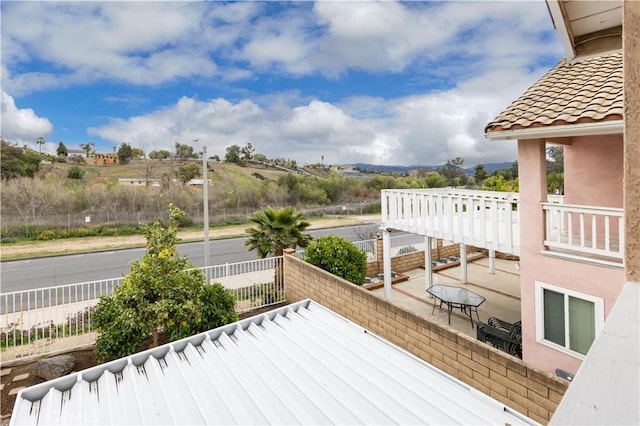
(275,231)
(40,141)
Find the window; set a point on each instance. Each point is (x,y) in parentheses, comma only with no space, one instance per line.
(567,319)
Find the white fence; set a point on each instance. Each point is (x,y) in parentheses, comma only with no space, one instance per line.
(40,321)
(590,232)
(46,320)
(486,219)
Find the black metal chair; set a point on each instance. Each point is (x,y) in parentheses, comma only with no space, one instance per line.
(502,335)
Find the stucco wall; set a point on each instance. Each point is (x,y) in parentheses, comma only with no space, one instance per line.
(598,281)
(505,378)
(593,171)
(631,43)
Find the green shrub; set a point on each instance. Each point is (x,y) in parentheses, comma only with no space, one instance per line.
(47,235)
(218,308)
(339,256)
(75,172)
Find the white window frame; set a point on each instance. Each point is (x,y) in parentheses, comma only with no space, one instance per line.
(598,306)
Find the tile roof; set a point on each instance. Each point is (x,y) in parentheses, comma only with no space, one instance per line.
(300,364)
(586,91)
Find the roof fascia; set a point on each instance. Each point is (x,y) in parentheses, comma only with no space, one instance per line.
(567,130)
(558,17)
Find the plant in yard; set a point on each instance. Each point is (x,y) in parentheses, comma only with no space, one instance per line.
(274,231)
(339,256)
(159,294)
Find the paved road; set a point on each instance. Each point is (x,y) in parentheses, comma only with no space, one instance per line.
(27,274)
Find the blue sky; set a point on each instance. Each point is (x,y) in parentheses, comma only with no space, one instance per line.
(402,83)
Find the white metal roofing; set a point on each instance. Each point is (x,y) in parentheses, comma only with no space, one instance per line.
(606,388)
(301,364)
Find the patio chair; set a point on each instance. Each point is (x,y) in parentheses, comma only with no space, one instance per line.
(502,335)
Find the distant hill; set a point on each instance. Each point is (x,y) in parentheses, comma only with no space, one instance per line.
(380,168)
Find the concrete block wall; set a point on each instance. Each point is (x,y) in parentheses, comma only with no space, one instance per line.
(409,261)
(532,392)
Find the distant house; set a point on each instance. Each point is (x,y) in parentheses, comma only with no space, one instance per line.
(139,181)
(76,153)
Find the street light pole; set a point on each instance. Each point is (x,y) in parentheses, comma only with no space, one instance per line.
(205,202)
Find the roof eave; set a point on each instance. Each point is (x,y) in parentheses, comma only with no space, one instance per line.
(558,18)
(560,131)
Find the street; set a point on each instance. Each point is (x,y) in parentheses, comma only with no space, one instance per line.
(27,274)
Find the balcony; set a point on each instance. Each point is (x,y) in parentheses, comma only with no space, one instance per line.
(491,220)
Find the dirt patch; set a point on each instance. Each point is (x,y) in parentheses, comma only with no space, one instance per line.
(84,359)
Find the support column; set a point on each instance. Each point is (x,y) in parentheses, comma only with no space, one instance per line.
(492,261)
(463,263)
(428,258)
(386,263)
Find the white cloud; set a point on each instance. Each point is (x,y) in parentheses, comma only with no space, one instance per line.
(148,43)
(22,125)
(425,129)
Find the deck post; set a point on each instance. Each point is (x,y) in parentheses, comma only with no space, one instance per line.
(463,263)
(428,270)
(386,262)
(492,261)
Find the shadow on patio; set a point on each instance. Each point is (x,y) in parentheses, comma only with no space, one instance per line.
(501,291)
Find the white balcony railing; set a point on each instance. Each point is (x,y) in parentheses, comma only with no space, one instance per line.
(485,219)
(590,232)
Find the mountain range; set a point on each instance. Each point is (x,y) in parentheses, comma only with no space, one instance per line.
(489,167)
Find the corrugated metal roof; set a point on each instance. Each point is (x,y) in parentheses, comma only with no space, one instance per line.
(586,91)
(301,364)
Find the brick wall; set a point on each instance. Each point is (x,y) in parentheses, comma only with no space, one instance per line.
(409,261)
(532,392)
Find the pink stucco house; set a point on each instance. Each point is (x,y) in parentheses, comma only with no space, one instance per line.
(571,247)
(571,251)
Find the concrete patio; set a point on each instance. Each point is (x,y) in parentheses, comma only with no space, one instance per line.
(501,290)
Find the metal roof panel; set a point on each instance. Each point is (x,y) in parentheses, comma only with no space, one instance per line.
(301,364)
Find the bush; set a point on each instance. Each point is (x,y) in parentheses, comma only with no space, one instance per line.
(162,293)
(75,172)
(218,308)
(339,256)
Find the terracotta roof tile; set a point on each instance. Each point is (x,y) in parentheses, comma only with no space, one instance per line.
(570,93)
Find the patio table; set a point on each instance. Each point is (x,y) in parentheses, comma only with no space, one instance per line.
(457,297)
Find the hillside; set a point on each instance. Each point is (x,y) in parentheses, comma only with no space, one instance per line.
(140,169)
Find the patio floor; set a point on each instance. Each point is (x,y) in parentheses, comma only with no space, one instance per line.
(501,290)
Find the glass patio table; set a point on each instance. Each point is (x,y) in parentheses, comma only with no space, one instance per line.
(457,297)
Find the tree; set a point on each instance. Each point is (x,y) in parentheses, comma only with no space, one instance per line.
(232,154)
(162,154)
(247,152)
(16,162)
(40,141)
(62,149)
(137,153)
(555,162)
(188,171)
(453,172)
(184,151)
(124,153)
(161,292)
(481,174)
(338,256)
(88,148)
(276,230)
